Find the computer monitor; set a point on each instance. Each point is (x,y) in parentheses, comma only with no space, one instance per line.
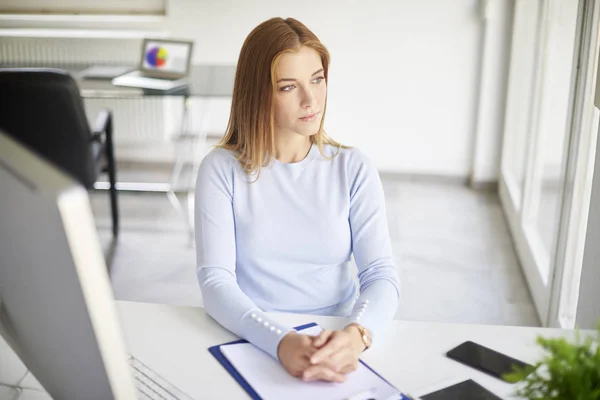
(57,309)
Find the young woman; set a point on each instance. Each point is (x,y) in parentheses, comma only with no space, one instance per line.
(281,208)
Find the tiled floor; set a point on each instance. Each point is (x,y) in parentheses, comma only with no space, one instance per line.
(455,256)
(452,246)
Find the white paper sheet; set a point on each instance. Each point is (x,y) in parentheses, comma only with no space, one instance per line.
(270,380)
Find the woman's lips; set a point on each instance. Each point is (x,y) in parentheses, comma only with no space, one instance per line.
(309,117)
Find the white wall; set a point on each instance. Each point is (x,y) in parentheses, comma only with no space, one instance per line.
(496,48)
(405,75)
(403,81)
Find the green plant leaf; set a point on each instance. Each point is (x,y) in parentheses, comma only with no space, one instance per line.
(569,370)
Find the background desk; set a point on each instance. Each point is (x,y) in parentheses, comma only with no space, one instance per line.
(205,81)
(174,342)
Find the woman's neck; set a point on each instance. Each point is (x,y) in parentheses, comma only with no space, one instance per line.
(292,149)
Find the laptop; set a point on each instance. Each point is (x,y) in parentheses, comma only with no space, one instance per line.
(164,65)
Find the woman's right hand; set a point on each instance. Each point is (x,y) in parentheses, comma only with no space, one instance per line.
(294,353)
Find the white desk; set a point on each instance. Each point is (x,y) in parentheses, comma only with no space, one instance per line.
(174,341)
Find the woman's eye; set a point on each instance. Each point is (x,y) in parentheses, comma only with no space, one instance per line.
(289,88)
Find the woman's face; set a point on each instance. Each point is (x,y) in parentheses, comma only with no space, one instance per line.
(300,93)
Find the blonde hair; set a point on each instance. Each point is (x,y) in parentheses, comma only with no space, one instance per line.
(250,132)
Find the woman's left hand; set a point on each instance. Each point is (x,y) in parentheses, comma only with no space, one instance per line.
(338,350)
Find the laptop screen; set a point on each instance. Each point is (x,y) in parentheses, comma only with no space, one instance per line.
(166,56)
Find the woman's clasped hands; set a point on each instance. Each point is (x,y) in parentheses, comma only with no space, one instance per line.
(327,357)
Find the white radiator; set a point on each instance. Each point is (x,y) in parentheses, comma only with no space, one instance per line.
(135,120)
(69,50)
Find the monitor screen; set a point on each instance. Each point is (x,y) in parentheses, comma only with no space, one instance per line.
(166,56)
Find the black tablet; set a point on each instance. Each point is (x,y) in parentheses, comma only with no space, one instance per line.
(466,390)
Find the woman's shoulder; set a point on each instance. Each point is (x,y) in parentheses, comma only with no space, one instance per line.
(219,157)
(217,168)
(351,156)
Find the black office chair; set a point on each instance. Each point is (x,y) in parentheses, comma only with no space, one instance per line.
(42,108)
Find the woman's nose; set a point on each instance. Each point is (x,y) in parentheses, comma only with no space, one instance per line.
(308,99)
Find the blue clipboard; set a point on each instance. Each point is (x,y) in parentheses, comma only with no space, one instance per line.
(216,352)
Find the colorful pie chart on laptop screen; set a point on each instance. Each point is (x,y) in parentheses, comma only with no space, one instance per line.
(157,56)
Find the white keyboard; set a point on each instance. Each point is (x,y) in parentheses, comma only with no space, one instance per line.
(152,386)
(135,79)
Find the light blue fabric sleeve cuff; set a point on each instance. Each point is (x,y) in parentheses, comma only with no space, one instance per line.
(263,331)
(375,307)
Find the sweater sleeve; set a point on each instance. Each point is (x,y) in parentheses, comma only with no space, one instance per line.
(377,274)
(216,257)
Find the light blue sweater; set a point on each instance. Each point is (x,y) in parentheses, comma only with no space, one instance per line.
(284,243)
